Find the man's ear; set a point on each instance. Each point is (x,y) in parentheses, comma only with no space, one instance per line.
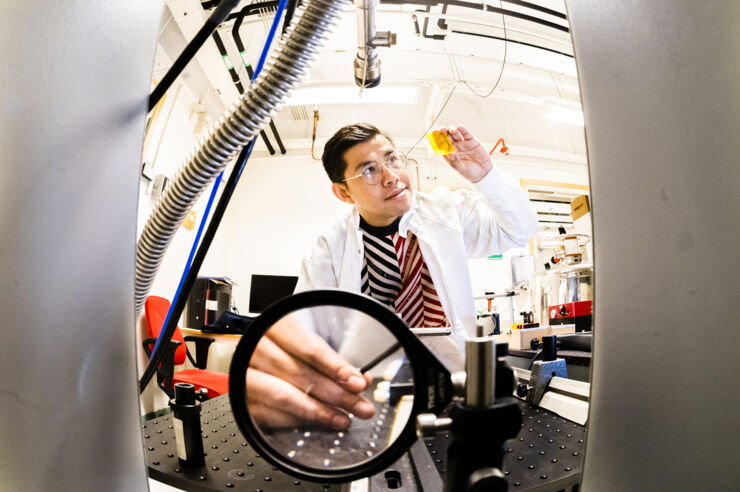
(340,191)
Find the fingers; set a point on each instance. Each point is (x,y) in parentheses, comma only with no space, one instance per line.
(315,352)
(457,133)
(272,359)
(454,133)
(275,403)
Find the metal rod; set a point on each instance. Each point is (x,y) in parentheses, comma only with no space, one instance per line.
(379,358)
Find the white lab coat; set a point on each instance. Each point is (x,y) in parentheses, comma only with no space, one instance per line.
(451,226)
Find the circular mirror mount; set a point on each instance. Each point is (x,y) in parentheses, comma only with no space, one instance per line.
(335,457)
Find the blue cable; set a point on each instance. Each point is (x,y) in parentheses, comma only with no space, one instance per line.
(263,57)
(178,292)
(268,42)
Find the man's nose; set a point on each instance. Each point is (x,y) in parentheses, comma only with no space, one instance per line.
(389,176)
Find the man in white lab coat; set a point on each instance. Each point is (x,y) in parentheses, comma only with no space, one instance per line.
(405,248)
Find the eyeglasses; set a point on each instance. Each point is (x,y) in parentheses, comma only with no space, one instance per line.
(372,173)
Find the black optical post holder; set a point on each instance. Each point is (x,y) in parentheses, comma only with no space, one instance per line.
(186,413)
(475,456)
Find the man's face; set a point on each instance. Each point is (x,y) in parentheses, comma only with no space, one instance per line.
(381,203)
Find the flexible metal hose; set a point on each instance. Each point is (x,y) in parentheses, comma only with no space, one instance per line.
(239,124)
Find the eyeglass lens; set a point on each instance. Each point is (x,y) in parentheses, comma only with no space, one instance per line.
(373,173)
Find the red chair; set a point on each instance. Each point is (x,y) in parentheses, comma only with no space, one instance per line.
(217,383)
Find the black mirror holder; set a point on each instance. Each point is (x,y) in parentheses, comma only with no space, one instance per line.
(432,384)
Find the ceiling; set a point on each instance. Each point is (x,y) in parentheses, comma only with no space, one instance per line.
(450,64)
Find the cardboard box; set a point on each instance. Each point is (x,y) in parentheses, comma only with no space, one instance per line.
(562,329)
(580,206)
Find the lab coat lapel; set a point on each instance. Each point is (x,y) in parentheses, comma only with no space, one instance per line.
(350,269)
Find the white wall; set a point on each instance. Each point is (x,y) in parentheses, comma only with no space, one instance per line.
(278,209)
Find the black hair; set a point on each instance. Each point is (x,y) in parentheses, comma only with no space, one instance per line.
(344,139)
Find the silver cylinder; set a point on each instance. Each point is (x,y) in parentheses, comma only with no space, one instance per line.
(367,62)
(480,368)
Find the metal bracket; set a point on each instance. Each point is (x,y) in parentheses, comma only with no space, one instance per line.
(542,374)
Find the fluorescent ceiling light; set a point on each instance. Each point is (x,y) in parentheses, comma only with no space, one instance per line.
(563,114)
(350,94)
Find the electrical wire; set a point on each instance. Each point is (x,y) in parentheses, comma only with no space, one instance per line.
(194,262)
(449,96)
(503,63)
(178,304)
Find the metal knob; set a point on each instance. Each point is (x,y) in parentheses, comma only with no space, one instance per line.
(522,390)
(427,424)
(487,480)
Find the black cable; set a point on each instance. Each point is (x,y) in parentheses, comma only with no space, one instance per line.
(536,356)
(227,61)
(289,11)
(509,40)
(192,275)
(240,47)
(217,17)
(540,8)
(426,24)
(237,82)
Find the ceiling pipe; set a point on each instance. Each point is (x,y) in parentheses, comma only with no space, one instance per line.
(367,62)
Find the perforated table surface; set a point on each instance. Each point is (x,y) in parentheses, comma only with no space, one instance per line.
(546,455)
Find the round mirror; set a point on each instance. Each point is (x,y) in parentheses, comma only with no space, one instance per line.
(323,386)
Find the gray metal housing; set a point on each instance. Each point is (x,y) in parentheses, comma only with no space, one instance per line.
(74,80)
(660,83)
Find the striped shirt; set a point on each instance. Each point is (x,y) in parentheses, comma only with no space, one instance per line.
(394,273)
